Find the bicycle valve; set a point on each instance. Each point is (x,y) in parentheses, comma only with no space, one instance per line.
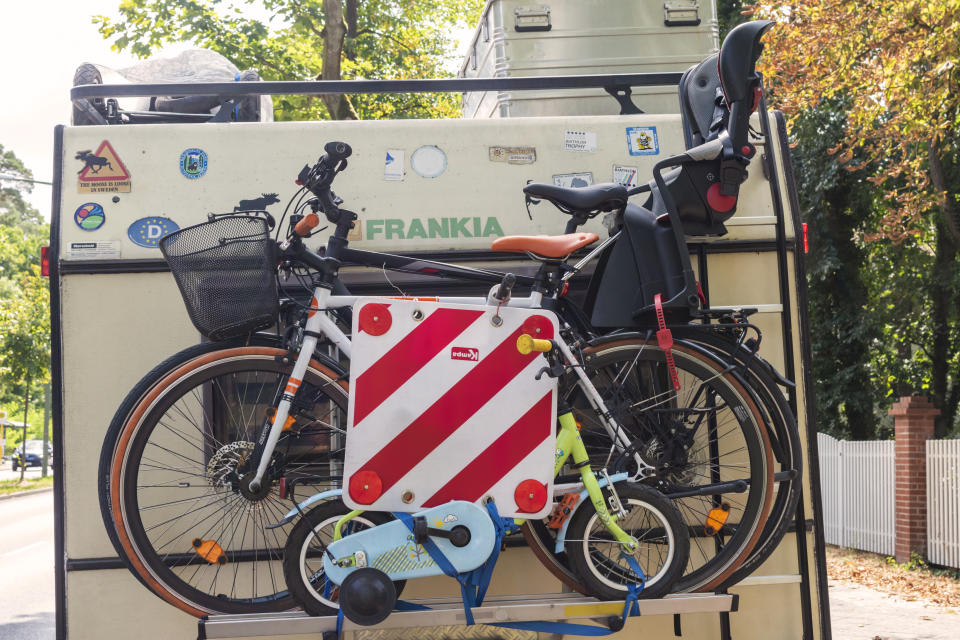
(527,344)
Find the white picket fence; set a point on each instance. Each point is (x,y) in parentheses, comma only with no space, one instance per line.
(943,502)
(857,488)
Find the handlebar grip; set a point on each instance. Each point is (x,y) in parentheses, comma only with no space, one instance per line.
(527,344)
(307,224)
(337,151)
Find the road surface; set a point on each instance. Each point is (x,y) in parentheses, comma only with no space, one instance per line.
(26,567)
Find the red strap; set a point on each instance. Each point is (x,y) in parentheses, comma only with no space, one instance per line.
(665,340)
(701,295)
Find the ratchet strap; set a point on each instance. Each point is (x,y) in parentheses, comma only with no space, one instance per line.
(665,341)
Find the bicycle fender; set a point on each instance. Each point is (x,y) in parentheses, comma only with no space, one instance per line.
(562,534)
(293,513)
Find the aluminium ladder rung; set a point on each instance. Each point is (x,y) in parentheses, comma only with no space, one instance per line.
(449,612)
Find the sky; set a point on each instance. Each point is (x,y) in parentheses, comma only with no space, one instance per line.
(42,42)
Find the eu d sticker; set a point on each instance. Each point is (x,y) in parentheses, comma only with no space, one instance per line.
(89,216)
(193,163)
(642,141)
(147,232)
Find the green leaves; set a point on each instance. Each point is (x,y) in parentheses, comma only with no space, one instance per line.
(284,40)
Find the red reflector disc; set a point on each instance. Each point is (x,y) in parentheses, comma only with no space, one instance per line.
(365,487)
(538,327)
(719,202)
(375,319)
(530,496)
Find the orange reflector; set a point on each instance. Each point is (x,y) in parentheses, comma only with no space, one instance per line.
(210,551)
(716,519)
(365,487)
(530,496)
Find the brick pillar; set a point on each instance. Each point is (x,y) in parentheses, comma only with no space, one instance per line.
(913,419)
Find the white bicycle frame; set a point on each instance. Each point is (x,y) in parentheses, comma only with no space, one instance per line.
(319,323)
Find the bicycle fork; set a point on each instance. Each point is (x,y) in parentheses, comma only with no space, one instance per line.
(318,323)
(569,444)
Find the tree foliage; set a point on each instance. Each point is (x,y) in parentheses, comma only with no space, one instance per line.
(378,39)
(24,295)
(893,68)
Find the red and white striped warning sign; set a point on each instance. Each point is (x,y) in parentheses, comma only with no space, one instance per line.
(443,407)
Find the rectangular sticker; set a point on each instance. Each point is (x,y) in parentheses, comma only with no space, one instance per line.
(642,141)
(513,155)
(102,250)
(102,171)
(573,180)
(627,176)
(580,141)
(393,165)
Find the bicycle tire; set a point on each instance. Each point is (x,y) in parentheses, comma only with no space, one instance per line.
(131,400)
(706,572)
(784,428)
(301,577)
(654,521)
(254,369)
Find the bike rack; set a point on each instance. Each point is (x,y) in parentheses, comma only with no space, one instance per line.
(449,612)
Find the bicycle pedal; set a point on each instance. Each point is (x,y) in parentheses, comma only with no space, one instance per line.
(563,510)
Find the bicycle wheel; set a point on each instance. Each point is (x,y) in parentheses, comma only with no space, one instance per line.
(303,555)
(184,515)
(709,437)
(662,550)
(785,438)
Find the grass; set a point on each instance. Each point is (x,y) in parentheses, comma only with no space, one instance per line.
(14,486)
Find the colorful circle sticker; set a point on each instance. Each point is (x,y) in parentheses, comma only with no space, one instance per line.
(89,216)
(193,163)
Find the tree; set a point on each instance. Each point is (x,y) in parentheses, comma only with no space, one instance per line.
(314,39)
(896,65)
(25,338)
(14,185)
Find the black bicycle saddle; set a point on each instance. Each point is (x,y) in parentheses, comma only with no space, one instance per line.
(596,198)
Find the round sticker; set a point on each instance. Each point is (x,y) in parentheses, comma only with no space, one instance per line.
(193,163)
(429,161)
(89,216)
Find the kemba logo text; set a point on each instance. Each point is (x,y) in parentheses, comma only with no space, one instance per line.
(465,353)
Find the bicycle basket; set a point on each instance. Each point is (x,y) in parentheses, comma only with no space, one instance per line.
(226,272)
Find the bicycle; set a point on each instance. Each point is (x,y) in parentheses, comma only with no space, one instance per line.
(650,548)
(247,376)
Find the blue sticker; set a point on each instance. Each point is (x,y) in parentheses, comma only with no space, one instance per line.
(642,141)
(147,232)
(193,163)
(89,216)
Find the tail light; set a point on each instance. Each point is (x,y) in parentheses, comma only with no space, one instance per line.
(45,261)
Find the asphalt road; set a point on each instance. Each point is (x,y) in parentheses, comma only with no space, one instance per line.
(26,567)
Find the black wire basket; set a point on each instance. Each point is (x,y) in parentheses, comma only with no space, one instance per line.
(226,271)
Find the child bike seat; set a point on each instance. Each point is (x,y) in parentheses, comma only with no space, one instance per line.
(545,246)
(607,196)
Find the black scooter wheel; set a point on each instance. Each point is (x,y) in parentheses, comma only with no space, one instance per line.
(367,596)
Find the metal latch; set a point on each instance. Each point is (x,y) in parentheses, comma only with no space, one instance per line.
(532,19)
(681,13)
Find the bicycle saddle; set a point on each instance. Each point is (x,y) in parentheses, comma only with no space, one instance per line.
(545,246)
(596,198)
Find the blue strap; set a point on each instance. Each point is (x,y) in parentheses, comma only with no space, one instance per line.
(431,548)
(236,107)
(339,623)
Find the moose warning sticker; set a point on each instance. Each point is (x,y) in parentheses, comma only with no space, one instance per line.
(102,171)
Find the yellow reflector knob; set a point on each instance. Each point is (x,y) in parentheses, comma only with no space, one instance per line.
(526,344)
(717,518)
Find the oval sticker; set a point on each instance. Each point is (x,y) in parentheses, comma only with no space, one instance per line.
(147,232)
